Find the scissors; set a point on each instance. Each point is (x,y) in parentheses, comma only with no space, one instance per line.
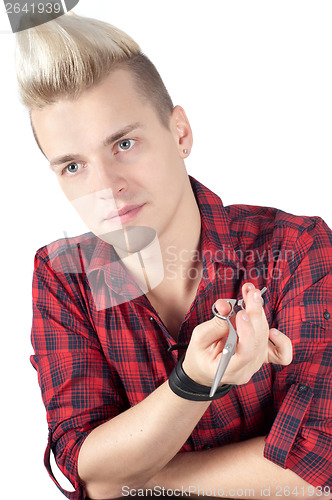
(231,341)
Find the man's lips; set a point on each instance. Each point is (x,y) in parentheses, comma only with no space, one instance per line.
(124,213)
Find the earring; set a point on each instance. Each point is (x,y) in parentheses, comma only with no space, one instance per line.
(186,151)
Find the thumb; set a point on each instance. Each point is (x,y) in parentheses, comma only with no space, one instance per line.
(280,350)
(213,330)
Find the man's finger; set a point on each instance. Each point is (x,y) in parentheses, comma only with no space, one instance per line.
(246,289)
(213,330)
(254,303)
(280,352)
(246,336)
(223,307)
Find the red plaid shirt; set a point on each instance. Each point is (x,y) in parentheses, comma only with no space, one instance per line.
(99,353)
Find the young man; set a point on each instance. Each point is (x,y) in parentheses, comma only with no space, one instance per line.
(118,309)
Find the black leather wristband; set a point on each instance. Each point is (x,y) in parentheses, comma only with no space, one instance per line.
(186,388)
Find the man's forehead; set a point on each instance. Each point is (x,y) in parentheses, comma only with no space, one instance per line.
(119,83)
(111,106)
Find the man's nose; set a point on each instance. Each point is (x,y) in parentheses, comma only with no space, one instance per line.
(106,182)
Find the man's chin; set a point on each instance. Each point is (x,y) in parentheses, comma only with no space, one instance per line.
(130,239)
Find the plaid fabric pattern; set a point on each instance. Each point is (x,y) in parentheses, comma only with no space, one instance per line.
(94,363)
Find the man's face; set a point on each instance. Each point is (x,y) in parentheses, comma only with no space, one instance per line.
(115,161)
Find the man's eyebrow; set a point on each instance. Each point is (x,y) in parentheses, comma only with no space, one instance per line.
(121,133)
(107,142)
(61,159)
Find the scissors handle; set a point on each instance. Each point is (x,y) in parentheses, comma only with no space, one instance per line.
(232,303)
(230,345)
(241,302)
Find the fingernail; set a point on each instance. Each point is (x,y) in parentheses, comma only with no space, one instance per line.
(250,287)
(275,331)
(257,297)
(245,316)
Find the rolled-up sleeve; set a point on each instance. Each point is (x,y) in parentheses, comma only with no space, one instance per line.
(300,438)
(76,381)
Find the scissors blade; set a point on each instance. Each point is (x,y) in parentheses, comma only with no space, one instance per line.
(225,359)
(226,356)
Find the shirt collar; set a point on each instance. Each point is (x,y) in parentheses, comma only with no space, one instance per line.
(216,240)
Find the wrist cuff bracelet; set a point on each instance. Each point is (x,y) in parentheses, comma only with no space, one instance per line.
(187,388)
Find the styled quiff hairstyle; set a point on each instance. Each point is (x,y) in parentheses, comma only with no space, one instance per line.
(68,55)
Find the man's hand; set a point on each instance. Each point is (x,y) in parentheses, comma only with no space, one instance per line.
(256,343)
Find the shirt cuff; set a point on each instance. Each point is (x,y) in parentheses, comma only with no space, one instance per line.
(78,492)
(289,424)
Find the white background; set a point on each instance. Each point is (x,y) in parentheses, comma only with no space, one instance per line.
(255,79)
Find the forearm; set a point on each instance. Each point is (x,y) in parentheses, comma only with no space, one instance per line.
(134,446)
(235,470)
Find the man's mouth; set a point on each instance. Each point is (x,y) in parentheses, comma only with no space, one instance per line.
(124,214)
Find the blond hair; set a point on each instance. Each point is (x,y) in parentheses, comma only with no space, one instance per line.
(65,56)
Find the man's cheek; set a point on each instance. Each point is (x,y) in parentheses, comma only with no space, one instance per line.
(93,208)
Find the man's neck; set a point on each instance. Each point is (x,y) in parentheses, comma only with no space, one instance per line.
(172,260)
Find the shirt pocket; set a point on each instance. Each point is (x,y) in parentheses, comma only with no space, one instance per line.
(286,426)
(316,321)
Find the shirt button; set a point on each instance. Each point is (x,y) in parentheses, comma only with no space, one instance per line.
(207,447)
(151,318)
(327,315)
(303,388)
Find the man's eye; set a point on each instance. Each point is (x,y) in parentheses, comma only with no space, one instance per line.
(126,144)
(73,168)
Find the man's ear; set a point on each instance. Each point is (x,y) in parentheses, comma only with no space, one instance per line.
(181,130)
